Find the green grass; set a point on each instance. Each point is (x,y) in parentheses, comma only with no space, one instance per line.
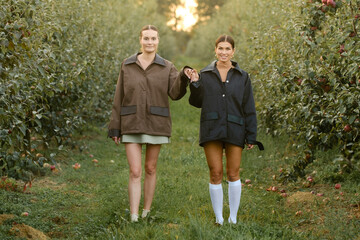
(92,202)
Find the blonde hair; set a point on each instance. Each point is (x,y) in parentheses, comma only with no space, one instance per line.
(149,27)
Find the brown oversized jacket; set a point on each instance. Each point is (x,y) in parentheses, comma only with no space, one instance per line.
(141,103)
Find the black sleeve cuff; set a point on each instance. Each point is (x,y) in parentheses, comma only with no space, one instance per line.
(259,144)
(196,84)
(183,75)
(114,133)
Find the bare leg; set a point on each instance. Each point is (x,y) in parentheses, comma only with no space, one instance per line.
(214,152)
(133,153)
(152,154)
(233,161)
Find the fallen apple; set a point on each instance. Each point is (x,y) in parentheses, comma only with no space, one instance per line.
(342,48)
(337,186)
(95,160)
(25,214)
(76,166)
(247,181)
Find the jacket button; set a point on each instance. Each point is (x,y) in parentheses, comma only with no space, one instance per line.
(227,81)
(223,95)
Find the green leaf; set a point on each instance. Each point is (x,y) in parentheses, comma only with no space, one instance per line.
(352,119)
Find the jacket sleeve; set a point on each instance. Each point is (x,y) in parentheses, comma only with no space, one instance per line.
(250,113)
(196,93)
(114,128)
(177,83)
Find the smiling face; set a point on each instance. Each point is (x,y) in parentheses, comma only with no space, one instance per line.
(224,51)
(149,41)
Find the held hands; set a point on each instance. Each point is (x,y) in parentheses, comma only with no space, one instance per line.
(191,74)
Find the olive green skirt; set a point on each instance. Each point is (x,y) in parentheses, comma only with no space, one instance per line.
(144,138)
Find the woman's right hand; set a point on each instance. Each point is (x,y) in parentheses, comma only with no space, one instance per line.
(117,140)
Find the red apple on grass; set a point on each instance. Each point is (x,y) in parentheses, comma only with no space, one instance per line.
(342,48)
(76,166)
(337,186)
(284,195)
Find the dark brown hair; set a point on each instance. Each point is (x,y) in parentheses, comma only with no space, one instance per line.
(149,27)
(225,38)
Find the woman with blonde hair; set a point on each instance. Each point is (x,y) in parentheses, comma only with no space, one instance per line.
(141,114)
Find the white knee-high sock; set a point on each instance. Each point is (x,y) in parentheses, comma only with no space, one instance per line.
(234,199)
(216,195)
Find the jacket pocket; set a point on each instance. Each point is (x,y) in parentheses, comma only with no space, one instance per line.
(235,119)
(209,116)
(126,110)
(161,111)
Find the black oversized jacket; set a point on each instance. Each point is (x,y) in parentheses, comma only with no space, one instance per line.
(227,108)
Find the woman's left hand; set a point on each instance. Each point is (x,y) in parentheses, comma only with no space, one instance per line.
(249,146)
(188,72)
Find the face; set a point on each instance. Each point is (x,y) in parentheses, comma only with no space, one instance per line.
(149,41)
(224,51)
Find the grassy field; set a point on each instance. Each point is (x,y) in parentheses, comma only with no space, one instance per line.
(91,202)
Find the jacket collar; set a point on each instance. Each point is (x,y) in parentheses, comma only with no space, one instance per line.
(158,60)
(212,67)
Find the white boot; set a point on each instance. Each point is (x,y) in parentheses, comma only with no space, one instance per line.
(145,213)
(134,218)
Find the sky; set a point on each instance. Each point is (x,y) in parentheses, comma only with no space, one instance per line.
(188,14)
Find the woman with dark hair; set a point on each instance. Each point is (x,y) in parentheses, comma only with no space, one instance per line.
(141,115)
(228,122)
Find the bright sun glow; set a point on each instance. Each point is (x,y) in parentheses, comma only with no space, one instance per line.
(187,15)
